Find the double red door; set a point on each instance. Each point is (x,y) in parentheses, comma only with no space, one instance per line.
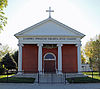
(49,66)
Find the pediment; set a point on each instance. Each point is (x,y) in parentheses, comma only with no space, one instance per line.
(49,27)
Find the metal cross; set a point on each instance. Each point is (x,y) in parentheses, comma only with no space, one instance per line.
(49,11)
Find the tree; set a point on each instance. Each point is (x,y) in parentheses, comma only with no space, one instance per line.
(3,19)
(2,69)
(83,59)
(96,53)
(9,62)
(15,56)
(4,50)
(89,52)
(92,51)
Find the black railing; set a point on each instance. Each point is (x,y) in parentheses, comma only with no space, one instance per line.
(12,76)
(51,78)
(91,73)
(41,77)
(4,77)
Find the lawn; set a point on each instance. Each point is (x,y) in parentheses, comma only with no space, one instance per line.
(90,73)
(84,80)
(96,77)
(17,80)
(4,79)
(89,79)
(4,76)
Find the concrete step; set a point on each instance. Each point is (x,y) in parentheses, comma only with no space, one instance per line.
(51,78)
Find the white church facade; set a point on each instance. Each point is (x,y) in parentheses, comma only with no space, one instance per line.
(49,46)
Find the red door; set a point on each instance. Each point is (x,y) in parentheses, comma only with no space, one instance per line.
(49,66)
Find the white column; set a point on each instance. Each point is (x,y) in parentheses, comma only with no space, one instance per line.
(79,57)
(20,58)
(40,57)
(59,58)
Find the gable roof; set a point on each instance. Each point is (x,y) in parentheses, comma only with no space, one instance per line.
(49,27)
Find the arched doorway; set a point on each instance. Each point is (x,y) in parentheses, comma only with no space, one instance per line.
(49,63)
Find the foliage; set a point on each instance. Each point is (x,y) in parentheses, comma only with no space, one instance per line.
(83,59)
(3,19)
(89,49)
(2,69)
(15,56)
(96,53)
(92,51)
(4,50)
(9,62)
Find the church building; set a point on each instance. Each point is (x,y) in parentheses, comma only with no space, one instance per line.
(49,47)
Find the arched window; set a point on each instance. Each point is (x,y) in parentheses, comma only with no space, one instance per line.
(49,56)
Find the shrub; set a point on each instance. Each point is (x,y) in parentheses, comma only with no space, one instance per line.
(2,69)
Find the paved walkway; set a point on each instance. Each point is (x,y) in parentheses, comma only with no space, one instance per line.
(48,86)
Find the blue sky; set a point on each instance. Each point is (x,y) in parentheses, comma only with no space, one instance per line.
(82,15)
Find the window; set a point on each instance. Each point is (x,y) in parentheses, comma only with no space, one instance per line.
(49,56)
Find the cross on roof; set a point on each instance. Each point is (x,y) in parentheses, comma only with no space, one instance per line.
(49,11)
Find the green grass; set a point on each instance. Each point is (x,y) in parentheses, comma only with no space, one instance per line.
(90,73)
(17,80)
(96,77)
(4,76)
(84,80)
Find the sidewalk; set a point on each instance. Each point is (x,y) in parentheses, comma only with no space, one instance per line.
(49,86)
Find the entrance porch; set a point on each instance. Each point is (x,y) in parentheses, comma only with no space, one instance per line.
(49,63)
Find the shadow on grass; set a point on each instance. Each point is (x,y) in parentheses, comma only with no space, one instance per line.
(17,80)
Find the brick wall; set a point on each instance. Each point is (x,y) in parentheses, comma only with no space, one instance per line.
(69,58)
(30,58)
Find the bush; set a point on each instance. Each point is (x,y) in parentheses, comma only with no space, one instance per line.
(9,62)
(2,69)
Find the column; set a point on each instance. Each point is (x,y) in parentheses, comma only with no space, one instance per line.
(40,57)
(79,57)
(20,58)
(59,58)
